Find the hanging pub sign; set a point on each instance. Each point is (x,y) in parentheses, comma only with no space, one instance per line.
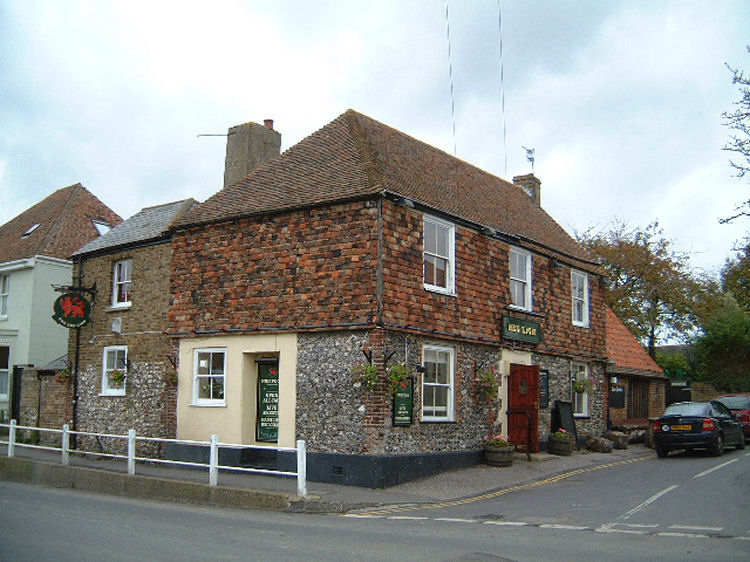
(521,330)
(403,402)
(72,310)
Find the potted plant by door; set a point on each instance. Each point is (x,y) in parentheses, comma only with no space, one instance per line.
(498,451)
(561,442)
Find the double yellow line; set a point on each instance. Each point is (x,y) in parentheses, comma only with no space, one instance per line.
(497,493)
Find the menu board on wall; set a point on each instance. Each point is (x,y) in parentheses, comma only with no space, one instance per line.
(403,401)
(268,401)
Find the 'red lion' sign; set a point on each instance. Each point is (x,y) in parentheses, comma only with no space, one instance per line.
(72,310)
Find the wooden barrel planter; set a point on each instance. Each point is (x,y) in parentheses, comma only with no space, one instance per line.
(498,456)
(560,445)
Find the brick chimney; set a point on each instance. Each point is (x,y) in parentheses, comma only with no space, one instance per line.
(248,146)
(532,186)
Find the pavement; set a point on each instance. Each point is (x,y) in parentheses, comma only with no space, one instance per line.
(243,490)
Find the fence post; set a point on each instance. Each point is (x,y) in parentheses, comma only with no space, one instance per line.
(12,438)
(213,462)
(301,469)
(66,444)
(131,452)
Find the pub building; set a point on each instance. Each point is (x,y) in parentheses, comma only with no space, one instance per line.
(362,246)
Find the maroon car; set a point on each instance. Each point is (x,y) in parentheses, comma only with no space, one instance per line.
(738,404)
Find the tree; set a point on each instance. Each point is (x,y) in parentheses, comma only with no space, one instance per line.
(675,365)
(722,353)
(739,141)
(649,284)
(735,277)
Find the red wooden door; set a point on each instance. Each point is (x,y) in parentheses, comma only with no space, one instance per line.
(523,406)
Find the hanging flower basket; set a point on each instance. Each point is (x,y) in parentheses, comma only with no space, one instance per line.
(62,376)
(367,374)
(398,377)
(584,385)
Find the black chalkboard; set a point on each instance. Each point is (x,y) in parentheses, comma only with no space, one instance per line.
(562,417)
(616,396)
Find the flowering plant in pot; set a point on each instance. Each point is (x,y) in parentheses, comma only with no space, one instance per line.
(561,442)
(498,451)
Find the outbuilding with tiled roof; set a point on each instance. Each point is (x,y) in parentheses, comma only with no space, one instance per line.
(637,384)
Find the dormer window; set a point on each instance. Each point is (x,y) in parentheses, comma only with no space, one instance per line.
(30,231)
(101,227)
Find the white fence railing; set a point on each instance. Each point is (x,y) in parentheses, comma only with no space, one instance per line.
(213,463)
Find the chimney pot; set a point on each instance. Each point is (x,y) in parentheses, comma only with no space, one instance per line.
(532,186)
(248,146)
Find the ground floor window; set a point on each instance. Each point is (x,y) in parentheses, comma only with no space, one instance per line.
(437,383)
(115,369)
(4,372)
(581,388)
(209,370)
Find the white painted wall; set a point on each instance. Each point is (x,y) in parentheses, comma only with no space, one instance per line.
(234,422)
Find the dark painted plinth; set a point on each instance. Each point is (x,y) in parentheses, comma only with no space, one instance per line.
(369,471)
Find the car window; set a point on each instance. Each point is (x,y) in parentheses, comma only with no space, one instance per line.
(735,402)
(686,409)
(721,410)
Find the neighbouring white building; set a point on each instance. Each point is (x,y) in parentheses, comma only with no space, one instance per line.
(35,249)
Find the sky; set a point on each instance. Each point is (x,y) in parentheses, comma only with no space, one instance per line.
(621,101)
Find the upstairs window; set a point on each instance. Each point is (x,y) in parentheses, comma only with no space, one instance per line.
(580,289)
(209,368)
(520,279)
(115,370)
(437,384)
(121,283)
(439,248)
(4,295)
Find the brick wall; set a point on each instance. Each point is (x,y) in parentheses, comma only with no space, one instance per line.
(310,268)
(45,402)
(317,268)
(482,291)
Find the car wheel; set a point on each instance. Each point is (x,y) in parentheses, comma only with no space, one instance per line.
(741,444)
(661,452)
(717,448)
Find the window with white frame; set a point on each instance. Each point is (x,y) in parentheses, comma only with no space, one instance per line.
(4,294)
(580,388)
(209,368)
(439,251)
(520,278)
(114,370)
(579,283)
(121,283)
(437,383)
(4,372)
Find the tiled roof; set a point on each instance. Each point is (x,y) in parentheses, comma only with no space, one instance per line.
(627,353)
(65,222)
(146,225)
(355,156)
